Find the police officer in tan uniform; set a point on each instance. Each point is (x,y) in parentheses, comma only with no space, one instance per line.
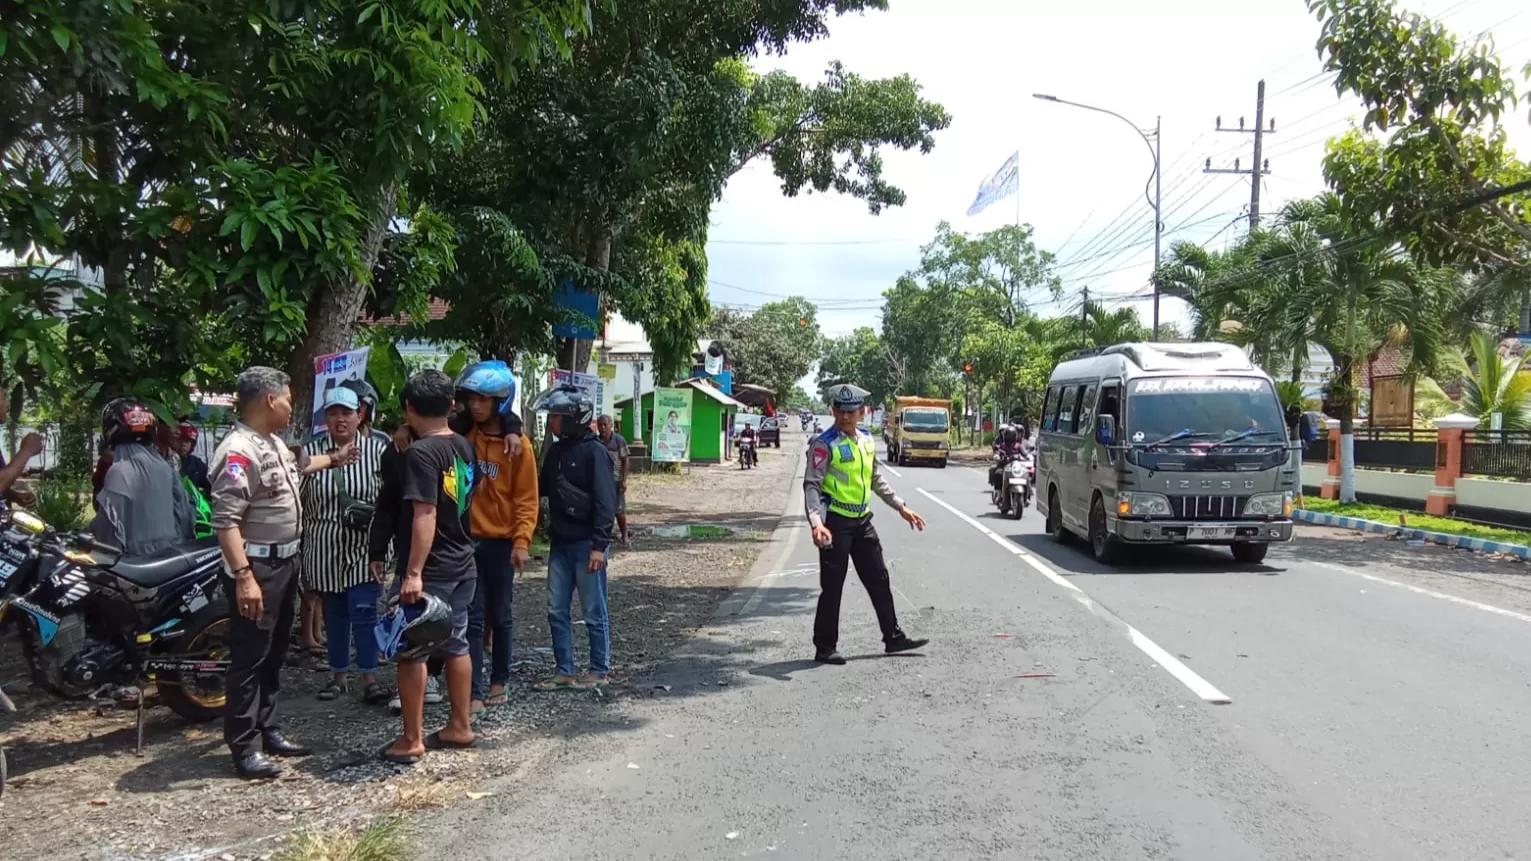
(257,516)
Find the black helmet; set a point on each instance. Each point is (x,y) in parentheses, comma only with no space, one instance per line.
(364,393)
(413,632)
(566,399)
(127,420)
(846,398)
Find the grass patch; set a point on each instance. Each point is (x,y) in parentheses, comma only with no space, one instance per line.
(1417,520)
(380,840)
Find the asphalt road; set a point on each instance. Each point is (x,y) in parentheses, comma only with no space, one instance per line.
(1375,699)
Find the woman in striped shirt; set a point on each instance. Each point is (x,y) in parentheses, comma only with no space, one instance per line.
(337,512)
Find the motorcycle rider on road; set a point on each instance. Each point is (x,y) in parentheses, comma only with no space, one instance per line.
(747,435)
(1007,445)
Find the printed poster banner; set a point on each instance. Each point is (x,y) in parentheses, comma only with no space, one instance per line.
(672,425)
(587,383)
(332,370)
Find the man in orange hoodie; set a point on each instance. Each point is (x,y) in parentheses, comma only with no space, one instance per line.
(502,520)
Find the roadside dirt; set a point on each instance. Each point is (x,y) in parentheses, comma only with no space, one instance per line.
(78,791)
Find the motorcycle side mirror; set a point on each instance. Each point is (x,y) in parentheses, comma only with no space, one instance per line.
(1308,425)
(1105,429)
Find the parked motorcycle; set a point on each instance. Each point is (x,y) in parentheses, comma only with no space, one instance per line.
(1011,492)
(97,625)
(747,456)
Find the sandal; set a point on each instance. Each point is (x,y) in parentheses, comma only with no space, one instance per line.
(558,683)
(496,698)
(318,660)
(332,690)
(375,694)
(589,680)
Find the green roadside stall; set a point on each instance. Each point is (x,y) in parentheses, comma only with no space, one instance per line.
(712,418)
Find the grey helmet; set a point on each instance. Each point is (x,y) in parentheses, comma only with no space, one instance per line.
(566,399)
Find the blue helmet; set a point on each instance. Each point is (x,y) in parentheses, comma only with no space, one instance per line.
(492,379)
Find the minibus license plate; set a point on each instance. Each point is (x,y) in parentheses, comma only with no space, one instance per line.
(1211,532)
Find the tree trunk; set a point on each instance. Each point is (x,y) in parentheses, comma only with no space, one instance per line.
(107,163)
(1344,370)
(574,353)
(1525,314)
(333,314)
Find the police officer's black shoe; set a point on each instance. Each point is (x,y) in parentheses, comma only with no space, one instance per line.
(278,745)
(256,766)
(905,644)
(829,657)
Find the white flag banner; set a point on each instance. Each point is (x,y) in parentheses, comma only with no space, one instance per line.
(999,185)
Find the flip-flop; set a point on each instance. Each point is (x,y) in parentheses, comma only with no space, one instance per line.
(396,758)
(434,741)
(496,699)
(558,684)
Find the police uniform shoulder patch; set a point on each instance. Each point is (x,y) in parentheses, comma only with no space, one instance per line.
(820,455)
(238,464)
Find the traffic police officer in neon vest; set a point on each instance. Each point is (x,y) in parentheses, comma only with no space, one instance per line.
(838,485)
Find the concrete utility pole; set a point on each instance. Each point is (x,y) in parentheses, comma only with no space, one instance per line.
(1261,165)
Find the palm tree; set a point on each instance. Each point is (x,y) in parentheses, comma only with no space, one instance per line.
(1210,282)
(1325,282)
(1494,384)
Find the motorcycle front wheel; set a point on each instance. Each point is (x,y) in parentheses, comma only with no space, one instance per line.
(201,697)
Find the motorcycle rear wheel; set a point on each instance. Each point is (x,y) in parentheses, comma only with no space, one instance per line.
(201,698)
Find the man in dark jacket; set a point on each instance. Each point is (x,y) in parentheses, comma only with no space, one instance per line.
(577,481)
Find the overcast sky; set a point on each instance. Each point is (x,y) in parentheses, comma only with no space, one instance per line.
(1081,173)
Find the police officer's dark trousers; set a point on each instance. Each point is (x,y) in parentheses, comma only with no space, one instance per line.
(257,651)
(854,541)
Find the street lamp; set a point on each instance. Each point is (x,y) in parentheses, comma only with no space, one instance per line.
(1154,149)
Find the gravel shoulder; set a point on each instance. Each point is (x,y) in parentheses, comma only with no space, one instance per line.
(78,791)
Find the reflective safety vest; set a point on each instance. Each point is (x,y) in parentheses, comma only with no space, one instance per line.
(202,511)
(848,479)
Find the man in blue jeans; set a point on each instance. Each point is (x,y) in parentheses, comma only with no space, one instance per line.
(581,490)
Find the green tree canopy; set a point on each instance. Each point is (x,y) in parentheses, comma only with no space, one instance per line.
(773,347)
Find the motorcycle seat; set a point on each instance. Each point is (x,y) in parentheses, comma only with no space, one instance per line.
(157,569)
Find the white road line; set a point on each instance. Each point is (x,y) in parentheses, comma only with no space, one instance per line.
(889,468)
(1487,608)
(1188,677)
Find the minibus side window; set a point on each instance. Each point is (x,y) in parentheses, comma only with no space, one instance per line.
(1086,411)
(1050,410)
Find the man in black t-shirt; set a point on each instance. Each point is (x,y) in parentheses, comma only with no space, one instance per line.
(438,480)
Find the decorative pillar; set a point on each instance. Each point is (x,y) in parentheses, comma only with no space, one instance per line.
(1330,489)
(1450,433)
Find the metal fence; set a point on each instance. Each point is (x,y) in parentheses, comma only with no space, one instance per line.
(76,451)
(1317,451)
(1500,454)
(1395,448)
